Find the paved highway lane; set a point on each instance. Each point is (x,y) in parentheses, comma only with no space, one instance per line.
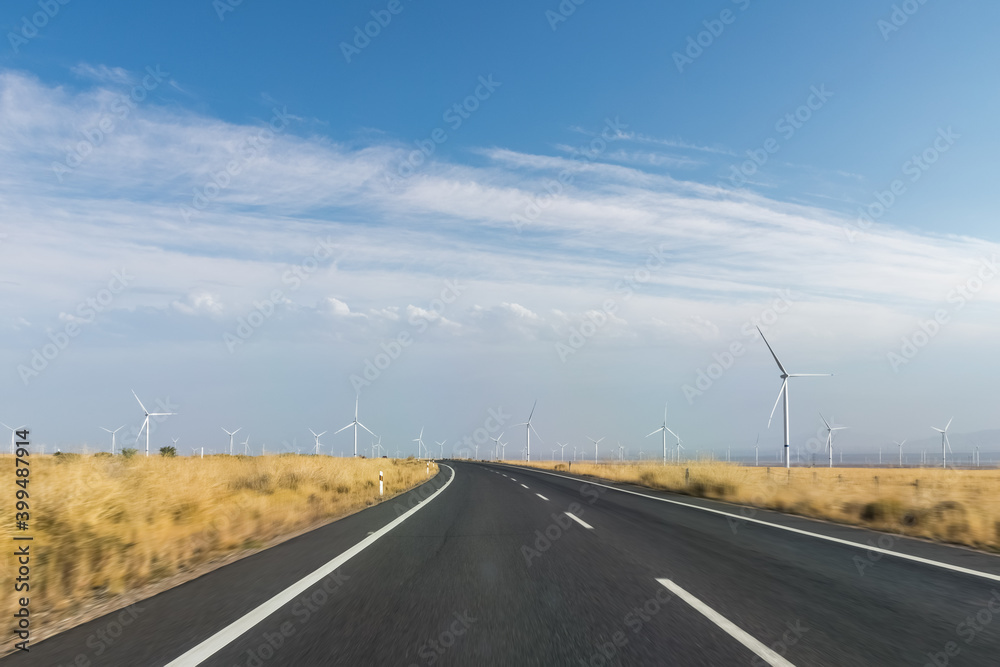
(509,566)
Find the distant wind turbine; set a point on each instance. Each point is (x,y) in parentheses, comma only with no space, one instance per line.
(246,446)
(900,445)
(785,375)
(944,441)
(441,446)
(356,424)
(316,435)
(562,451)
(112,436)
(829,436)
(528,428)
(145,423)
(664,430)
(13,439)
(496,445)
(231,434)
(420,442)
(597,442)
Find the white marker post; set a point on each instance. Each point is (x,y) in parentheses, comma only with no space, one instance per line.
(428,468)
(380,487)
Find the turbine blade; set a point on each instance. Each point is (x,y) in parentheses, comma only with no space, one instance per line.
(780,392)
(345,428)
(949,423)
(824,420)
(656,431)
(319,434)
(772,352)
(532,409)
(810,375)
(367,429)
(140,402)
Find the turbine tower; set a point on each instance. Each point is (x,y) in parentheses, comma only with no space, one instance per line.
(496,445)
(785,375)
(663,429)
(441,446)
(829,436)
(356,424)
(316,435)
(145,423)
(528,428)
(900,445)
(112,436)
(944,441)
(231,434)
(562,452)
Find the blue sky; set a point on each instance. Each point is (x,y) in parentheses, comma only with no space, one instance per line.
(618,163)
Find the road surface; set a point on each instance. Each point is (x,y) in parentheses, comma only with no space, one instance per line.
(484,565)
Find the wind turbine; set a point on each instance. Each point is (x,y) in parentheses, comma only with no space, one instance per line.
(378,446)
(528,428)
(496,445)
(441,445)
(900,445)
(13,431)
(679,448)
(316,435)
(784,391)
(112,436)
(246,446)
(597,442)
(829,436)
(231,434)
(944,441)
(621,452)
(145,424)
(562,451)
(420,441)
(356,424)
(756,452)
(663,429)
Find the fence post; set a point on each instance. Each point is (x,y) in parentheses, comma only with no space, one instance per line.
(381,489)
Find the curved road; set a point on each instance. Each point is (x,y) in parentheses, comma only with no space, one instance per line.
(484,565)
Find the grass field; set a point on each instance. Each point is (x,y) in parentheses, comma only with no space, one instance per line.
(107,525)
(957,506)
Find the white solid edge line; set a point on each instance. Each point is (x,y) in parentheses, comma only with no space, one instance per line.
(541,496)
(828,538)
(767,655)
(237,628)
(579,521)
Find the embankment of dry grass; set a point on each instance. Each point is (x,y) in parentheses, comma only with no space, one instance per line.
(104,526)
(957,506)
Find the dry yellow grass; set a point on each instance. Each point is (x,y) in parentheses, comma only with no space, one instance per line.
(958,506)
(103,525)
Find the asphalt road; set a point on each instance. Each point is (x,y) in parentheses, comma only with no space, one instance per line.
(492,571)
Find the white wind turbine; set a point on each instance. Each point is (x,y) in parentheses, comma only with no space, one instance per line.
(231,434)
(496,445)
(528,428)
(112,436)
(679,448)
(145,423)
(441,446)
(944,442)
(900,445)
(621,452)
(356,424)
(597,442)
(316,435)
(756,452)
(663,429)
(246,446)
(13,440)
(503,448)
(562,451)
(785,375)
(420,441)
(829,436)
